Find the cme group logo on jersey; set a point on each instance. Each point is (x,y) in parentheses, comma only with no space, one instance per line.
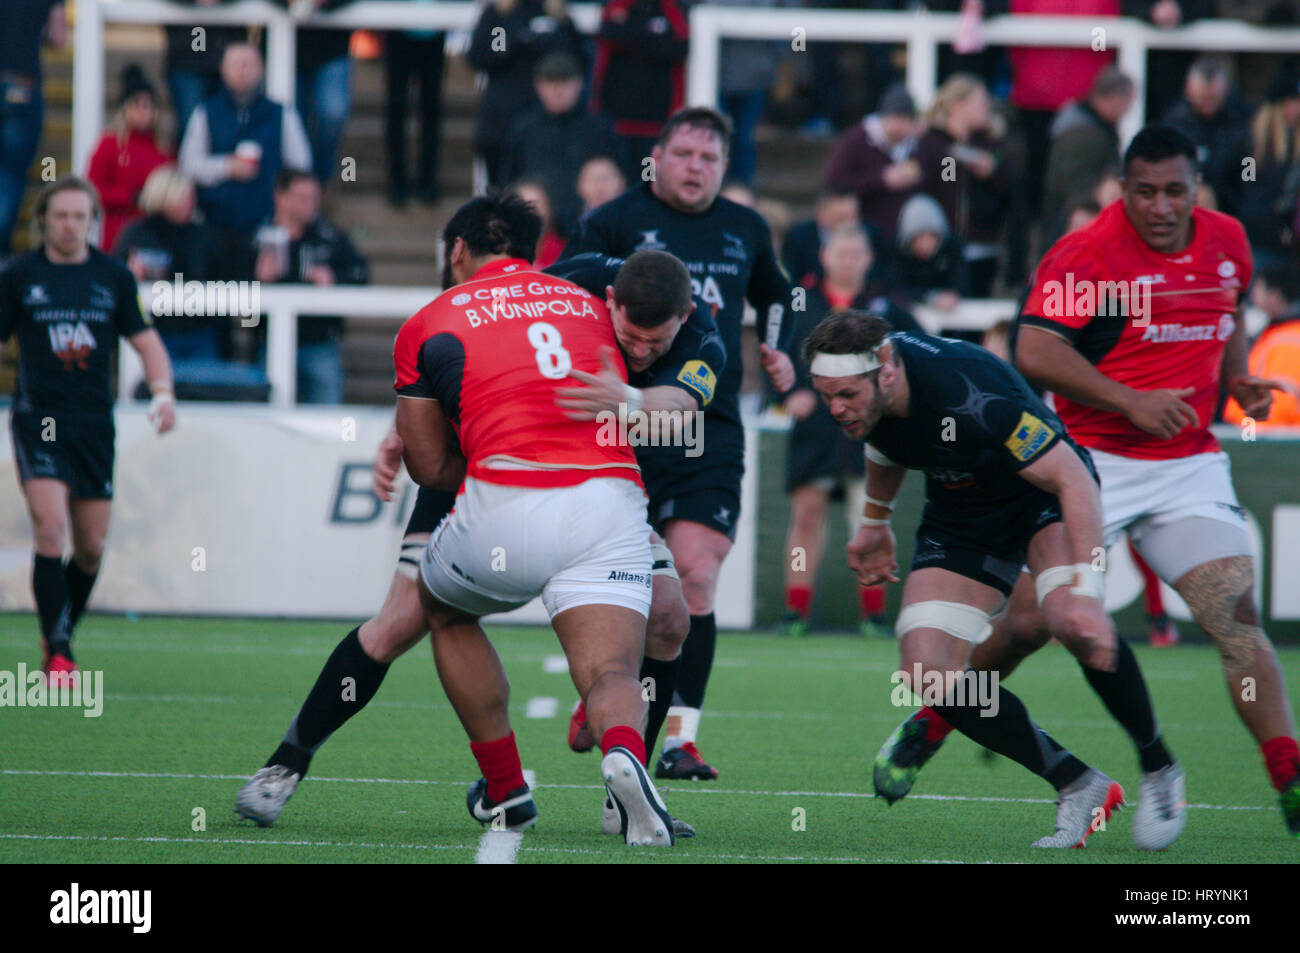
(1086,298)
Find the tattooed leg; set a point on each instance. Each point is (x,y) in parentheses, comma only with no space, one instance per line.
(1220,594)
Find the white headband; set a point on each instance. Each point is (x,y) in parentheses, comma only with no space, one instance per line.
(844,365)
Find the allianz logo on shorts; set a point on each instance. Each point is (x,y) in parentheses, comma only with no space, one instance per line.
(618,575)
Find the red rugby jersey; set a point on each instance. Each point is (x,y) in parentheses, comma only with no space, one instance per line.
(492,351)
(1145,319)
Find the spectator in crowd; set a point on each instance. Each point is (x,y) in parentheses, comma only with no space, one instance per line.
(168,241)
(1085,146)
(1275,355)
(1213,116)
(822,464)
(298,246)
(1043,79)
(324,86)
(1080,213)
(1109,189)
(639,78)
(127,154)
(802,248)
(746,74)
(235,145)
(961,155)
(553,140)
(599,181)
(22,105)
(1164,67)
(1267,203)
(509,39)
(550,245)
(418,54)
(930,267)
(877,159)
(193,62)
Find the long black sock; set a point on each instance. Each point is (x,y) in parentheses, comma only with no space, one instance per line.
(51,591)
(665,682)
(1012,733)
(697,660)
(1124,693)
(345,685)
(80,583)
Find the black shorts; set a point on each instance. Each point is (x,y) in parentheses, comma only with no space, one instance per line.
(431,507)
(75,449)
(709,495)
(987,547)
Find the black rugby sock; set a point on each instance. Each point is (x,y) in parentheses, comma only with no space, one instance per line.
(50,588)
(345,685)
(665,681)
(1012,733)
(697,660)
(1124,693)
(80,583)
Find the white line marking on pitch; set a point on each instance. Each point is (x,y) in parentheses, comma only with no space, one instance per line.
(501,847)
(542,707)
(681,789)
(555,664)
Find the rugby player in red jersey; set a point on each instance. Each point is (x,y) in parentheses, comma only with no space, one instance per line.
(1134,323)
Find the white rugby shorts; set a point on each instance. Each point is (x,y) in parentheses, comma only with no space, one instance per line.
(574,545)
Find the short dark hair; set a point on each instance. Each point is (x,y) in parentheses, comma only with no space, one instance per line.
(498,224)
(1110,81)
(698,117)
(288,178)
(654,287)
(1209,68)
(1083,203)
(846,332)
(1157,142)
(1282,279)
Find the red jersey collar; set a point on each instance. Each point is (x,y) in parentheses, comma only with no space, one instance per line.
(502,266)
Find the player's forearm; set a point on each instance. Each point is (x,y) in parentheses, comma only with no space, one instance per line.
(153,355)
(1081,513)
(883,485)
(1054,364)
(1236,355)
(667,397)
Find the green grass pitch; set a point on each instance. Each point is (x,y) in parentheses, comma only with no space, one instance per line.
(193,707)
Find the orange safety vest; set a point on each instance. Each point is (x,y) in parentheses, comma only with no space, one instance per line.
(1275,355)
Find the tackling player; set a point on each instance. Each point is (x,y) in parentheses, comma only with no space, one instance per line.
(681,353)
(695,502)
(1005,486)
(66,303)
(1141,394)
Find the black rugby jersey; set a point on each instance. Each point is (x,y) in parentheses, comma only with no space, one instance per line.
(67,319)
(974,424)
(727,249)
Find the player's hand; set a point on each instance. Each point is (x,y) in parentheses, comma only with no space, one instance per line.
(779,368)
(388,460)
(603,391)
(162,412)
(1255,394)
(801,404)
(871,555)
(1163,413)
(1085,628)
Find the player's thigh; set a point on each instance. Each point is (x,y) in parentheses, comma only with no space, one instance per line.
(90,520)
(1173,549)
(808,506)
(698,551)
(599,640)
(944,615)
(47,505)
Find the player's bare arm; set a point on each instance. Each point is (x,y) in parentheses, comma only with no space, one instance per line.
(158,372)
(427,444)
(872,554)
(1253,394)
(608,389)
(1052,362)
(387,462)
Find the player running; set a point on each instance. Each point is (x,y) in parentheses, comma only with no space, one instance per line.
(1005,485)
(681,353)
(695,502)
(67,303)
(1140,395)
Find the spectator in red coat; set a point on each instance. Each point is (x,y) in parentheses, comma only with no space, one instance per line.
(127,154)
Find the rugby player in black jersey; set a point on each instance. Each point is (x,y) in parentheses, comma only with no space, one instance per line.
(674,355)
(695,502)
(67,303)
(1005,486)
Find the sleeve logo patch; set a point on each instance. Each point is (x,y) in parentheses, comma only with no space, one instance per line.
(1030,436)
(699,377)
